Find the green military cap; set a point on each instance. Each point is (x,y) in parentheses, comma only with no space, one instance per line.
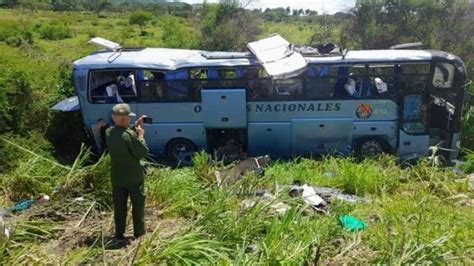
(122,109)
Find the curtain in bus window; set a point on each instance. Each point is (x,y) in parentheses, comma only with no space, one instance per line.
(212,74)
(176,85)
(343,73)
(239,72)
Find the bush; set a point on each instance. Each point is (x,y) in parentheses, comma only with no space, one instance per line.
(141,19)
(55,32)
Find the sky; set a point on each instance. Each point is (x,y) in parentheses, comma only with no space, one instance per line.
(322,6)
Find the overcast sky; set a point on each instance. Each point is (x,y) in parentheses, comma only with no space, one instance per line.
(322,6)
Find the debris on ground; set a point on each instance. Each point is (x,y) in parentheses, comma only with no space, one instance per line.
(5,234)
(236,172)
(470,182)
(329,174)
(351,223)
(26,204)
(320,197)
(458,171)
(309,196)
(330,194)
(277,208)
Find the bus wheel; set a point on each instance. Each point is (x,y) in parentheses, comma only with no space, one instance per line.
(181,151)
(370,148)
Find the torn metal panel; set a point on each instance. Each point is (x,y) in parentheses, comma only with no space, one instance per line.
(70,104)
(278,57)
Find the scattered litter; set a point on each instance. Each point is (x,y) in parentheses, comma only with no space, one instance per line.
(309,195)
(458,162)
(462,200)
(330,194)
(470,182)
(326,194)
(278,208)
(351,223)
(4,212)
(458,171)
(26,204)
(233,174)
(5,234)
(79,199)
(329,174)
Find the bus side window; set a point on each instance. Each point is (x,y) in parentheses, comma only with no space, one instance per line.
(289,89)
(152,85)
(259,85)
(319,82)
(177,86)
(112,86)
(198,80)
(413,77)
(381,80)
(443,75)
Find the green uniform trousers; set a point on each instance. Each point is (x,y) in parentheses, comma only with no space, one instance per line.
(120,197)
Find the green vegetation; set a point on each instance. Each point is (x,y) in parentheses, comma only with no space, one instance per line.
(421,214)
(414,215)
(140,19)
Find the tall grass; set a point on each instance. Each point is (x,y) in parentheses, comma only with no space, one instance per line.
(414,215)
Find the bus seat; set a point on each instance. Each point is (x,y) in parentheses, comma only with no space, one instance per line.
(350,88)
(381,86)
(112,94)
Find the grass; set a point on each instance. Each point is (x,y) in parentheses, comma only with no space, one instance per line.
(414,215)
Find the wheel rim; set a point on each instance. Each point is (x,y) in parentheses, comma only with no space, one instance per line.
(371,148)
(183,153)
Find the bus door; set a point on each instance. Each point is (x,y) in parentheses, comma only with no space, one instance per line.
(224,108)
(413,138)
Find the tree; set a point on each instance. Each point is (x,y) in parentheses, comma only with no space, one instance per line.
(97,6)
(227,27)
(140,18)
(384,23)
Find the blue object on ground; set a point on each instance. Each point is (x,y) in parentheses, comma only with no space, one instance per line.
(351,223)
(23,205)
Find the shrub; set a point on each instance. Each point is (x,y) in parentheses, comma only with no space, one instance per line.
(141,19)
(55,32)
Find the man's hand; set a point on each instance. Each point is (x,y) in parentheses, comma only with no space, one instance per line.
(139,121)
(140,132)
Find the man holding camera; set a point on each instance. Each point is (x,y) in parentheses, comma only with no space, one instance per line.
(127,147)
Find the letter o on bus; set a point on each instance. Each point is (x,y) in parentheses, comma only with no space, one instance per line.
(197,108)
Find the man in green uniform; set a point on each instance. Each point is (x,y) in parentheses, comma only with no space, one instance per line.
(127,147)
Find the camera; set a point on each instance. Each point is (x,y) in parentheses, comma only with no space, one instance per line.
(147,120)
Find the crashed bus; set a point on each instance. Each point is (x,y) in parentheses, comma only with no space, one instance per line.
(278,99)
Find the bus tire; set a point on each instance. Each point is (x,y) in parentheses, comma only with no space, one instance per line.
(371,147)
(181,151)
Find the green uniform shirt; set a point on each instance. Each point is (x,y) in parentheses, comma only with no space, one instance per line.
(125,151)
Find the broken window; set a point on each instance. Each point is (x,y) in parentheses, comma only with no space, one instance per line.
(112,86)
(443,75)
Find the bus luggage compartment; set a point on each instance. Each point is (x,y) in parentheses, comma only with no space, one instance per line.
(321,135)
(224,108)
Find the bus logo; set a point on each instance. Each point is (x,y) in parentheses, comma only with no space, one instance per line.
(364,111)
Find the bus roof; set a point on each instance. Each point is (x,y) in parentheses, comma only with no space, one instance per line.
(172,59)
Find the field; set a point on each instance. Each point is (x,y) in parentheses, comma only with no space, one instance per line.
(417,214)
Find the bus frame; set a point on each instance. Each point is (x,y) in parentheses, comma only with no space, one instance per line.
(227,104)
